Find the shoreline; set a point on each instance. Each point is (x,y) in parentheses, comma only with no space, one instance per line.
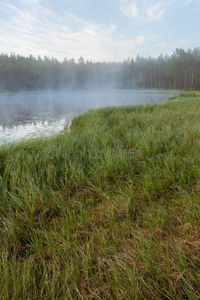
(31,128)
(107,210)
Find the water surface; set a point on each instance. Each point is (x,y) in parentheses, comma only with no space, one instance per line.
(28,115)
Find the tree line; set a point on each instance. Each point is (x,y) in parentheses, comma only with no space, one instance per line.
(181,70)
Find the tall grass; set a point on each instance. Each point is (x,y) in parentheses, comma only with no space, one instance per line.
(107,211)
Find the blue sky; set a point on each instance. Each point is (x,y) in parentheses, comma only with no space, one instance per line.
(98,30)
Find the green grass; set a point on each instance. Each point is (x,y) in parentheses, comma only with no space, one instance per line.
(108,211)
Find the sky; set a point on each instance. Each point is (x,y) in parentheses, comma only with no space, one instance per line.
(98,30)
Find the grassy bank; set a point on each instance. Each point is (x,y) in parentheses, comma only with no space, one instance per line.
(107,211)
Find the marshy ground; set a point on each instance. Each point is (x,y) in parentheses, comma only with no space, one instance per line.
(109,210)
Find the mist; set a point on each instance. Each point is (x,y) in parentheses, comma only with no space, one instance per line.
(32,114)
(38,96)
(19,73)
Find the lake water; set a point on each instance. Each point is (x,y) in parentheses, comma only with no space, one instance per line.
(28,115)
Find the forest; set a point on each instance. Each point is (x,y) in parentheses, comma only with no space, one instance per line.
(181,71)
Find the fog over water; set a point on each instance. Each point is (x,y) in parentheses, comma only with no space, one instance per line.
(32,114)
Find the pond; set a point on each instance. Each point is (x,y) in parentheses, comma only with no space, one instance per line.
(32,114)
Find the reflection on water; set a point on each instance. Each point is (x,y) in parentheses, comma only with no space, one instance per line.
(25,115)
(14,133)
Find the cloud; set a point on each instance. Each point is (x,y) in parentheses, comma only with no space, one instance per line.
(129,9)
(139,40)
(155,11)
(144,10)
(38,30)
